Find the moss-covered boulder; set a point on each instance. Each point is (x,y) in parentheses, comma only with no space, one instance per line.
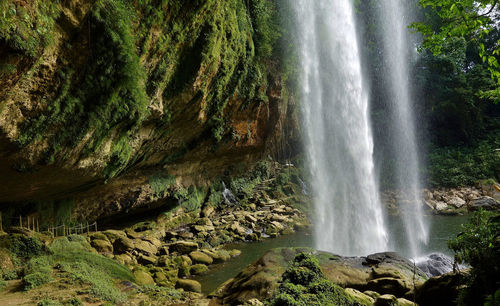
(200,257)
(143,278)
(102,246)
(123,244)
(198,269)
(183,247)
(188,285)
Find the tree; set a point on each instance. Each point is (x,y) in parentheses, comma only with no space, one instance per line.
(469,19)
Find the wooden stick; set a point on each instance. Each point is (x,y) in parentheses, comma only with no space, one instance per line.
(87,227)
(95,226)
(37,226)
(64,230)
(20,222)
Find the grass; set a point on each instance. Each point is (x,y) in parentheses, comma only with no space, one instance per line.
(72,256)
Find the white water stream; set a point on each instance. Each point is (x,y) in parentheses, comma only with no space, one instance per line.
(338,138)
(394,16)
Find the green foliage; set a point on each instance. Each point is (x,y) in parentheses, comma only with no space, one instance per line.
(48,302)
(3,283)
(28,27)
(35,279)
(72,255)
(304,284)
(479,246)
(470,19)
(158,293)
(110,96)
(75,302)
(194,198)
(464,166)
(160,183)
(25,247)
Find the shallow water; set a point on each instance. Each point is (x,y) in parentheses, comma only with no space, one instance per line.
(442,229)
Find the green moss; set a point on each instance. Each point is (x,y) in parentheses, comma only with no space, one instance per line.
(110,96)
(160,183)
(35,279)
(28,27)
(48,302)
(304,284)
(3,283)
(194,198)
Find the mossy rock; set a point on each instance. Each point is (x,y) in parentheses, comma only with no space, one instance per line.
(386,300)
(143,278)
(183,247)
(102,246)
(113,235)
(188,285)
(200,257)
(198,269)
(99,236)
(123,244)
(360,296)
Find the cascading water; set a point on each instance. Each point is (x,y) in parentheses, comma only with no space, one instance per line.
(393,16)
(339,144)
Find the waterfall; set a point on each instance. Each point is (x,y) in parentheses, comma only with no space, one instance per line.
(339,144)
(394,17)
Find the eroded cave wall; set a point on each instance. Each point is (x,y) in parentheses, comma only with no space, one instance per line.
(117,90)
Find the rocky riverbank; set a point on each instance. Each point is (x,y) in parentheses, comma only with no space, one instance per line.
(377,279)
(449,201)
(160,256)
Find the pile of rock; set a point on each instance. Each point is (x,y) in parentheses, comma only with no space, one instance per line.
(159,254)
(455,201)
(447,201)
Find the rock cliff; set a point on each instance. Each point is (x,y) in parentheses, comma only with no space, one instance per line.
(115,91)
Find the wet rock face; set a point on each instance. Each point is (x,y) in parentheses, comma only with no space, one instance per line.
(440,290)
(486,203)
(436,264)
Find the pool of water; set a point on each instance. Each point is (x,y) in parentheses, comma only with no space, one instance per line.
(442,228)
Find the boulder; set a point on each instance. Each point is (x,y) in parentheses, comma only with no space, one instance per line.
(389,285)
(486,203)
(221,256)
(147,260)
(234,252)
(198,269)
(145,247)
(112,235)
(200,257)
(124,259)
(183,247)
(456,201)
(440,206)
(253,302)
(238,229)
(386,300)
(188,285)
(102,246)
(123,244)
(98,236)
(440,290)
(143,278)
(405,302)
(360,296)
